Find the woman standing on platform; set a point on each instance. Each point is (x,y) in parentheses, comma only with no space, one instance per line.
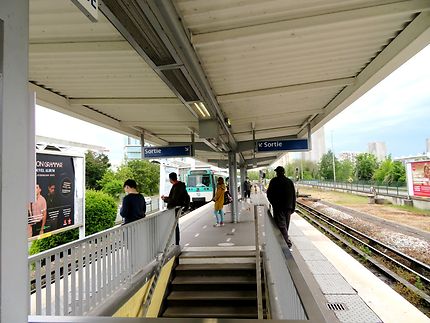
(219,202)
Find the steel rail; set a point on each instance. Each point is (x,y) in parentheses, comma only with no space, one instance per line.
(313,214)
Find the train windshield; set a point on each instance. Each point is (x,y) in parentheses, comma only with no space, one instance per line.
(199,180)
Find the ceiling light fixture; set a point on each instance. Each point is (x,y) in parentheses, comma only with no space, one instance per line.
(204,108)
(199,109)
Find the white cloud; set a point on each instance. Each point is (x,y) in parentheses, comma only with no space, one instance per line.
(50,123)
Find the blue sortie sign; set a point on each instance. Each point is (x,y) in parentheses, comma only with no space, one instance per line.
(289,145)
(167,151)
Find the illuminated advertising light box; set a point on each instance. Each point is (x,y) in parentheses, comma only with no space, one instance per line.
(418,174)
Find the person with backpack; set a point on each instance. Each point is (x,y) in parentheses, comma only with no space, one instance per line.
(178,196)
(247,189)
(219,202)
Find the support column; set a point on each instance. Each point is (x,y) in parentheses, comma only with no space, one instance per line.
(232,169)
(142,145)
(15,160)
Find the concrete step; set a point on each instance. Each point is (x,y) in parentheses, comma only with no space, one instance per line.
(218,267)
(217,260)
(214,280)
(217,254)
(211,312)
(247,269)
(213,295)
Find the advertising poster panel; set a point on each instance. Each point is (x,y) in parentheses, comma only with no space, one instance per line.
(53,207)
(165,184)
(419,180)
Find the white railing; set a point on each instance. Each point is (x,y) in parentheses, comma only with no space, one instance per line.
(75,278)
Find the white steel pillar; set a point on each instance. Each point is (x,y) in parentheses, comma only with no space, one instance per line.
(232,169)
(15,159)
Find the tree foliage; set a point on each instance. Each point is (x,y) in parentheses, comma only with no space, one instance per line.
(96,166)
(345,170)
(390,171)
(145,173)
(307,168)
(326,166)
(100,214)
(253,175)
(365,166)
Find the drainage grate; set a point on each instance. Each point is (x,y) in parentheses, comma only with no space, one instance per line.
(337,306)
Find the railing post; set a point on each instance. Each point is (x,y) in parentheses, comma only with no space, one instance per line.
(258,263)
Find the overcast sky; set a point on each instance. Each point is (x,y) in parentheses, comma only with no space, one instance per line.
(396,111)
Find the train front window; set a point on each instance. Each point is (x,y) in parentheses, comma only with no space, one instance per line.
(199,181)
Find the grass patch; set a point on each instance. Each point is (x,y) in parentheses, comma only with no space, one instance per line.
(335,197)
(411,209)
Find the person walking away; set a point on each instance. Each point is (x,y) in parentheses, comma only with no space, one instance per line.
(247,188)
(178,196)
(219,202)
(133,205)
(281,194)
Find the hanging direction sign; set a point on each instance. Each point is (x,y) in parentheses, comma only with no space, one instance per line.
(285,145)
(167,151)
(90,8)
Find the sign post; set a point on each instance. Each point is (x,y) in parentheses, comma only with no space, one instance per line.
(168,151)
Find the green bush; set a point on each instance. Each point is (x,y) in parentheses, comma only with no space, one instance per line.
(100,214)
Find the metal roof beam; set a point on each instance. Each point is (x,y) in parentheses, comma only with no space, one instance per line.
(168,17)
(61,104)
(79,47)
(409,42)
(367,12)
(233,97)
(125,101)
(158,124)
(259,161)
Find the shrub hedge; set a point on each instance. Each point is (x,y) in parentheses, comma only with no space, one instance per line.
(100,214)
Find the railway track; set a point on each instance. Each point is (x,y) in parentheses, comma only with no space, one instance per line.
(390,262)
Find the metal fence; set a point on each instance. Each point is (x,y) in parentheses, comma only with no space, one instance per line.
(75,278)
(394,189)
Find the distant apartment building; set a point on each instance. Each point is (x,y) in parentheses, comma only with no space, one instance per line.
(428,146)
(379,149)
(318,146)
(132,149)
(347,155)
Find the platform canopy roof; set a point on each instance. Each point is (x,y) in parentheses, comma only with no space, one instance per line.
(261,69)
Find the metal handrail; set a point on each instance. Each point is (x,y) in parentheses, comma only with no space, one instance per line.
(75,278)
(258,263)
(146,302)
(368,187)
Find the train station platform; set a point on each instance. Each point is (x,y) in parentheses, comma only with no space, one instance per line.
(348,289)
(214,274)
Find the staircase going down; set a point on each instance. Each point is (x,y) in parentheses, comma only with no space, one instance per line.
(219,284)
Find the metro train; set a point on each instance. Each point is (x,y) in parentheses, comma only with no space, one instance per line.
(201,185)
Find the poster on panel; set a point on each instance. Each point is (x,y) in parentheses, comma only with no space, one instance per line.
(419,178)
(165,184)
(54,204)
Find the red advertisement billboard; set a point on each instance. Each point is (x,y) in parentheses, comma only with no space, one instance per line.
(420,176)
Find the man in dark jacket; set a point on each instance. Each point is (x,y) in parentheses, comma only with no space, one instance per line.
(281,194)
(178,196)
(133,205)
